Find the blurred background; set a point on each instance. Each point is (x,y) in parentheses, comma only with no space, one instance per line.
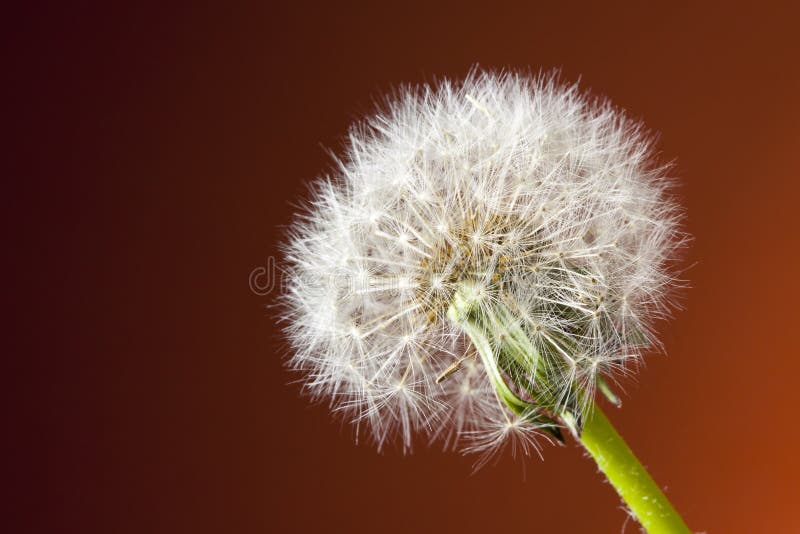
(154,156)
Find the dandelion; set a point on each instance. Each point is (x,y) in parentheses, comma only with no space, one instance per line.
(487,255)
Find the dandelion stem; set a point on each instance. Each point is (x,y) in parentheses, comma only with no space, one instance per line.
(504,346)
(629,477)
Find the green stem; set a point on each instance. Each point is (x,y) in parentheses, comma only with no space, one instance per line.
(503,344)
(629,477)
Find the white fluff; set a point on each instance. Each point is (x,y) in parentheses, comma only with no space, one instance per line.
(546,199)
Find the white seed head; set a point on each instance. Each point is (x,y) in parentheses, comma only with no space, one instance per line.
(538,198)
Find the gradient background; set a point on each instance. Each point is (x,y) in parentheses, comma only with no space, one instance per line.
(155,154)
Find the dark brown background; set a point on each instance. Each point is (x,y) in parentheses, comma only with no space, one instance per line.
(155,155)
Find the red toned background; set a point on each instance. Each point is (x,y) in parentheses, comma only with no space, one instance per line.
(155,154)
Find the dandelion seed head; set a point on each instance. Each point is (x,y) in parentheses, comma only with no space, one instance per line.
(527,191)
